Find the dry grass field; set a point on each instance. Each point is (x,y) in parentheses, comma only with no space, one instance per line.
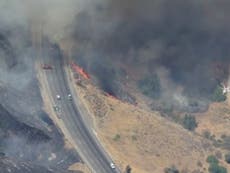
(146,141)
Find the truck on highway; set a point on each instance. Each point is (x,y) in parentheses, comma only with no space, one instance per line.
(46,67)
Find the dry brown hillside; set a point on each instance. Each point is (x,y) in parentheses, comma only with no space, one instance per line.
(216,120)
(144,140)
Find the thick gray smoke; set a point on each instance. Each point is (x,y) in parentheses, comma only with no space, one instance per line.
(20,22)
(188,40)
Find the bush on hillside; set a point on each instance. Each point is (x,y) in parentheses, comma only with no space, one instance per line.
(227,158)
(172,169)
(212,159)
(218,95)
(128,169)
(215,168)
(150,86)
(189,122)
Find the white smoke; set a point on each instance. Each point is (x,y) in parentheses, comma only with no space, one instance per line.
(18,18)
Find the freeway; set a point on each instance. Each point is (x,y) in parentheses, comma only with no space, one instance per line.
(87,144)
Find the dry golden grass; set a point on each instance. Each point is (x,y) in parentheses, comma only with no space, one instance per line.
(216,120)
(146,141)
(143,139)
(79,167)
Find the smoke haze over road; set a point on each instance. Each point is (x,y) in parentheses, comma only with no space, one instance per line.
(184,42)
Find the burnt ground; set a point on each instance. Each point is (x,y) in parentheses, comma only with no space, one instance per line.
(29,144)
(27,134)
(12,166)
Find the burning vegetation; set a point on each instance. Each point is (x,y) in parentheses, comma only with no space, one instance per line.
(80,70)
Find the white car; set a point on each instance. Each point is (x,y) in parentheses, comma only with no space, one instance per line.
(112,165)
(56,108)
(69,96)
(58,97)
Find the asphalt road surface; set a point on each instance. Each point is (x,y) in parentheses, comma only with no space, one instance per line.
(90,149)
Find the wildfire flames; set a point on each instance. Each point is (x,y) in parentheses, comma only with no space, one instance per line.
(85,75)
(80,70)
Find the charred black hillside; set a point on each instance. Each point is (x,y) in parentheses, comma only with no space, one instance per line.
(9,123)
(27,134)
(6,51)
(8,165)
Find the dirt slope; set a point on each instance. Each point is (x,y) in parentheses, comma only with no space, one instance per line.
(143,139)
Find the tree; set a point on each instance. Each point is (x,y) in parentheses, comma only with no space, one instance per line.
(116,137)
(172,169)
(227,158)
(212,159)
(215,168)
(189,122)
(150,86)
(218,95)
(128,169)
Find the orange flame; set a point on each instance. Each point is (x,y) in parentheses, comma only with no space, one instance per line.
(80,70)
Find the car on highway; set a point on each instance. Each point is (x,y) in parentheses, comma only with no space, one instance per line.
(47,67)
(112,165)
(69,97)
(56,108)
(59,116)
(58,97)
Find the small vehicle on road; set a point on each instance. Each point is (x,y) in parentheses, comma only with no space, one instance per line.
(59,116)
(47,67)
(56,108)
(70,97)
(112,165)
(58,97)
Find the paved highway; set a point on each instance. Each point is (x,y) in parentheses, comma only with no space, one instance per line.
(89,148)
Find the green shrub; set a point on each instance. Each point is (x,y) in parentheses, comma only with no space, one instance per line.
(189,122)
(215,168)
(172,169)
(207,134)
(218,95)
(227,158)
(128,169)
(116,137)
(150,86)
(134,138)
(212,159)
(199,164)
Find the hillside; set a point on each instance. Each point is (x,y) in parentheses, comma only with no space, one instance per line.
(144,140)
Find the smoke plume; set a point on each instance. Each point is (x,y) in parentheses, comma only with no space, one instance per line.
(189,39)
(20,22)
